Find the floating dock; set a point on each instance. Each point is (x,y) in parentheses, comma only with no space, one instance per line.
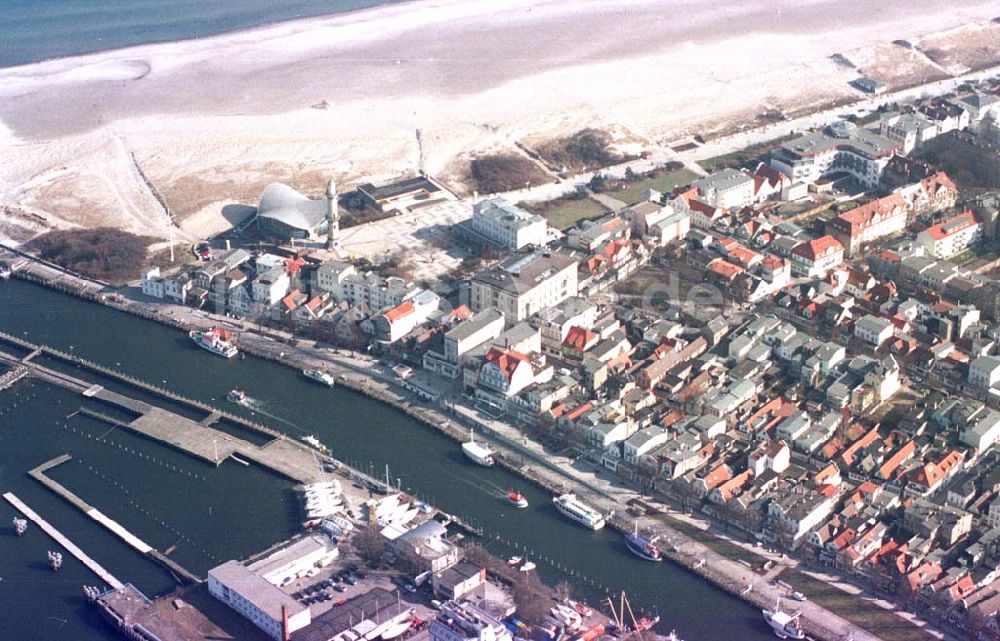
(70,547)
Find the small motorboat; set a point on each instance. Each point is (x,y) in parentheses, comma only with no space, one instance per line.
(514,561)
(528,567)
(517,499)
(237,396)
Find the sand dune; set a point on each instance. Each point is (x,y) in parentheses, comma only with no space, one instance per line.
(211,121)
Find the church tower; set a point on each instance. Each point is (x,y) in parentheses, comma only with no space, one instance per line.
(332,217)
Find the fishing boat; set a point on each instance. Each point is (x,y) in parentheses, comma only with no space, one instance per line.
(319,376)
(583,514)
(642,547)
(217,340)
(517,499)
(237,396)
(785,625)
(479,454)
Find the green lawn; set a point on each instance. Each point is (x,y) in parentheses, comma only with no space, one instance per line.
(563,214)
(662,182)
(865,614)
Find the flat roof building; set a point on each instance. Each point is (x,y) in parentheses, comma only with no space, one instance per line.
(257,599)
(525,284)
(506,225)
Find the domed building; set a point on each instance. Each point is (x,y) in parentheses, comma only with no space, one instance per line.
(286,214)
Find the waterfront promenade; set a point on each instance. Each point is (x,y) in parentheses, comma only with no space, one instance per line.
(62,540)
(522,455)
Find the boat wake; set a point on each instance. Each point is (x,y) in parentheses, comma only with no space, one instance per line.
(258,406)
(486,487)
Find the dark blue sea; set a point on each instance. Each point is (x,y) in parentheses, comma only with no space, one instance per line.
(35,30)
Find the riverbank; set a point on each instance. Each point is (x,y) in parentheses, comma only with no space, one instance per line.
(520,455)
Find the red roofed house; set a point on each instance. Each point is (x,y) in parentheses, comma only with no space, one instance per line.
(891,465)
(934,192)
(579,340)
(931,475)
(395,323)
(877,219)
(506,371)
(724,269)
(814,258)
(951,237)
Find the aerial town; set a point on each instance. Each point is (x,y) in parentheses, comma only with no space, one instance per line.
(799,346)
(779,370)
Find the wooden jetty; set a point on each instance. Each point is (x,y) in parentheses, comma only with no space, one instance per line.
(70,547)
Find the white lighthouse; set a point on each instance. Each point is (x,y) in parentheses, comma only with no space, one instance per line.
(332,217)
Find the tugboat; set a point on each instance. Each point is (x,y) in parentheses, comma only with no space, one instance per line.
(517,499)
(642,547)
(319,376)
(783,624)
(237,396)
(217,340)
(20,526)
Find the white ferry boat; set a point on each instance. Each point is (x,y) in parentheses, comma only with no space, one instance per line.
(784,625)
(319,376)
(583,514)
(217,340)
(477,453)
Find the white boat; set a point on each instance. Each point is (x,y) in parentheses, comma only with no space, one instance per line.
(785,625)
(217,340)
(514,561)
(528,567)
(5,272)
(583,514)
(479,454)
(237,396)
(319,376)
(313,442)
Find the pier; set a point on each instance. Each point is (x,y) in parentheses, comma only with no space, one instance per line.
(116,528)
(70,547)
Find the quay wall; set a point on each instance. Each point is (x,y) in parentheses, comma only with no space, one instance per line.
(443,423)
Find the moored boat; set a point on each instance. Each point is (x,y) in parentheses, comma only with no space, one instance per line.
(583,514)
(642,547)
(313,442)
(785,625)
(217,340)
(517,499)
(319,376)
(477,453)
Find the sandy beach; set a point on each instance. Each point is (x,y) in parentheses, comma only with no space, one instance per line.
(210,122)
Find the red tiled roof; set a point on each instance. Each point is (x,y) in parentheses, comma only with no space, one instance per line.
(888,469)
(862,216)
(291,300)
(930,474)
(818,248)
(578,338)
(952,226)
(403,309)
(848,455)
(579,411)
(742,255)
(507,360)
(724,268)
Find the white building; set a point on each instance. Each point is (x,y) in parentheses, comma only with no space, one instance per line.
(907,130)
(842,147)
(331,275)
(524,284)
(726,189)
(984,372)
(508,226)
(461,339)
(152,284)
(257,600)
(507,372)
(293,561)
(674,226)
(982,431)
(644,441)
(814,258)
(376,292)
(873,330)
(271,286)
(464,621)
(952,236)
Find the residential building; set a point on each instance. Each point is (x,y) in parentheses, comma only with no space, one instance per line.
(524,284)
(152,284)
(508,226)
(727,188)
(814,258)
(461,339)
(271,286)
(873,330)
(842,148)
(952,236)
(984,372)
(877,219)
